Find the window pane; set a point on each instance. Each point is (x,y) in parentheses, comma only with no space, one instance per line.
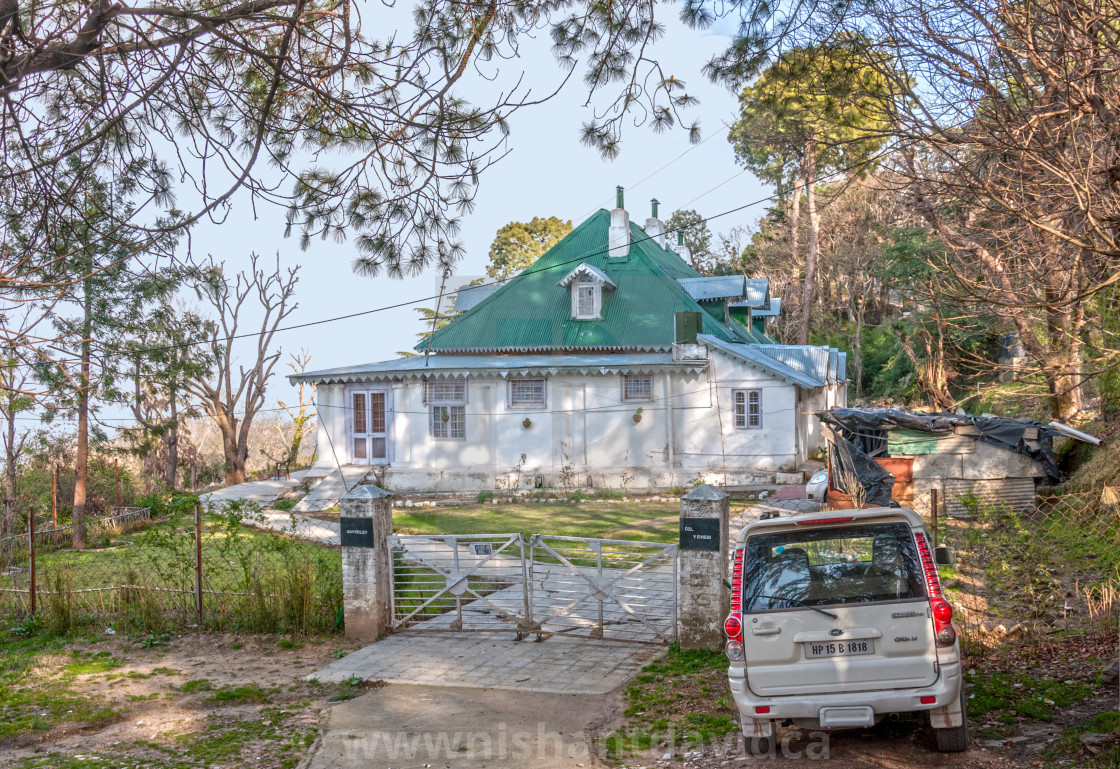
(526,392)
(439,427)
(855,564)
(377,412)
(445,392)
(359,413)
(637,388)
(378,448)
(457,425)
(449,421)
(360,448)
(585,301)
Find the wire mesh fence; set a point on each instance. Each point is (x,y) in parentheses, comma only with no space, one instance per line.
(1038,567)
(233,567)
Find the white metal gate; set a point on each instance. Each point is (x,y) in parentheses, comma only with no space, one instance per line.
(539,585)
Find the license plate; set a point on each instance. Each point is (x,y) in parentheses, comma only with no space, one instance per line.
(814,649)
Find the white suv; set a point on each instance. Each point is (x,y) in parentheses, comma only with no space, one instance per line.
(837,619)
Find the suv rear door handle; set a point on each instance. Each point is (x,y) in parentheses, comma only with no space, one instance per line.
(766,631)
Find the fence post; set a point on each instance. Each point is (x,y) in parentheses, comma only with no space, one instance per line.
(117,472)
(198,561)
(702,571)
(54,498)
(933,514)
(365,524)
(31,555)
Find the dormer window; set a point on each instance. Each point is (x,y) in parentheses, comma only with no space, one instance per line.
(586,284)
(587,298)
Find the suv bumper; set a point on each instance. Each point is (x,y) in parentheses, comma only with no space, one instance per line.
(945,692)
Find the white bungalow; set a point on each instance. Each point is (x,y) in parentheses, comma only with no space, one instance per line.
(610,362)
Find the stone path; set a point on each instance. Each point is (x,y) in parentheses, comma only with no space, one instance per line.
(494,660)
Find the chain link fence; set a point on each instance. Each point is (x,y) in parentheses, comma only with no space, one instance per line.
(1047,566)
(233,567)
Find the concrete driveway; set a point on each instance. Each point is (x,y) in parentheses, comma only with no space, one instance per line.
(430,726)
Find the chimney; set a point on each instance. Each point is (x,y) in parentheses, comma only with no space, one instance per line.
(655,228)
(618,236)
(682,249)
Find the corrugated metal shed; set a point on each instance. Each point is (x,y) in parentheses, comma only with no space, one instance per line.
(842,366)
(531,313)
(755,355)
(962,495)
(501,365)
(468,296)
(709,289)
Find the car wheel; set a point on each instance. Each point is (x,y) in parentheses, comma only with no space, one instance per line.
(954,739)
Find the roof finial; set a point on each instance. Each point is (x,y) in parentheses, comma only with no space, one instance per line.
(618,197)
(654,204)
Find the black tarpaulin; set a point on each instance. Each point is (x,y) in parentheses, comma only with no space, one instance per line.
(859,476)
(1005,432)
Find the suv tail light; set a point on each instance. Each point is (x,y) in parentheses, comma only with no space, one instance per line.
(943,628)
(733,625)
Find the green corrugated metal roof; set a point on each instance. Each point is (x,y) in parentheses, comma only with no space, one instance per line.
(531,312)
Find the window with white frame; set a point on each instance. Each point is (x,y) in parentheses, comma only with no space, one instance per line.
(527,393)
(586,300)
(445,391)
(748,409)
(637,387)
(447,410)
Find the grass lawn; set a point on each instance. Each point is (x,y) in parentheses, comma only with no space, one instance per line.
(252,579)
(681,698)
(647,521)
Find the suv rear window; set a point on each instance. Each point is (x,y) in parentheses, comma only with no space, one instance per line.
(834,565)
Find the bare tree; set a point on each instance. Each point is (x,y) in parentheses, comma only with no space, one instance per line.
(1007,126)
(301,416)
(235,393)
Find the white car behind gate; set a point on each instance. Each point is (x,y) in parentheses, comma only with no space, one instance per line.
(838,619)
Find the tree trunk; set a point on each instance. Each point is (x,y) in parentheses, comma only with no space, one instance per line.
(172,470)
(8,523)
(81,457)
(235,450)
(809,288)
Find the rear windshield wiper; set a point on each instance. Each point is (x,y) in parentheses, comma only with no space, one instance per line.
(799,602)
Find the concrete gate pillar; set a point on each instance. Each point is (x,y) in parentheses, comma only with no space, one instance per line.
(365,523)
(702,568)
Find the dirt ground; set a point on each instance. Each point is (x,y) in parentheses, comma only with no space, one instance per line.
(214,700)
(228,700)
(902,743)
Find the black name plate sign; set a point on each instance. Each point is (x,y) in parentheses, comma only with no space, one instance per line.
(356,532)
(700,534)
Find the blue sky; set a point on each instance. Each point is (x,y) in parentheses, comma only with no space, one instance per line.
(547,173)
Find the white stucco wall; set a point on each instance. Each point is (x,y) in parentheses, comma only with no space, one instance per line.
(586,436)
